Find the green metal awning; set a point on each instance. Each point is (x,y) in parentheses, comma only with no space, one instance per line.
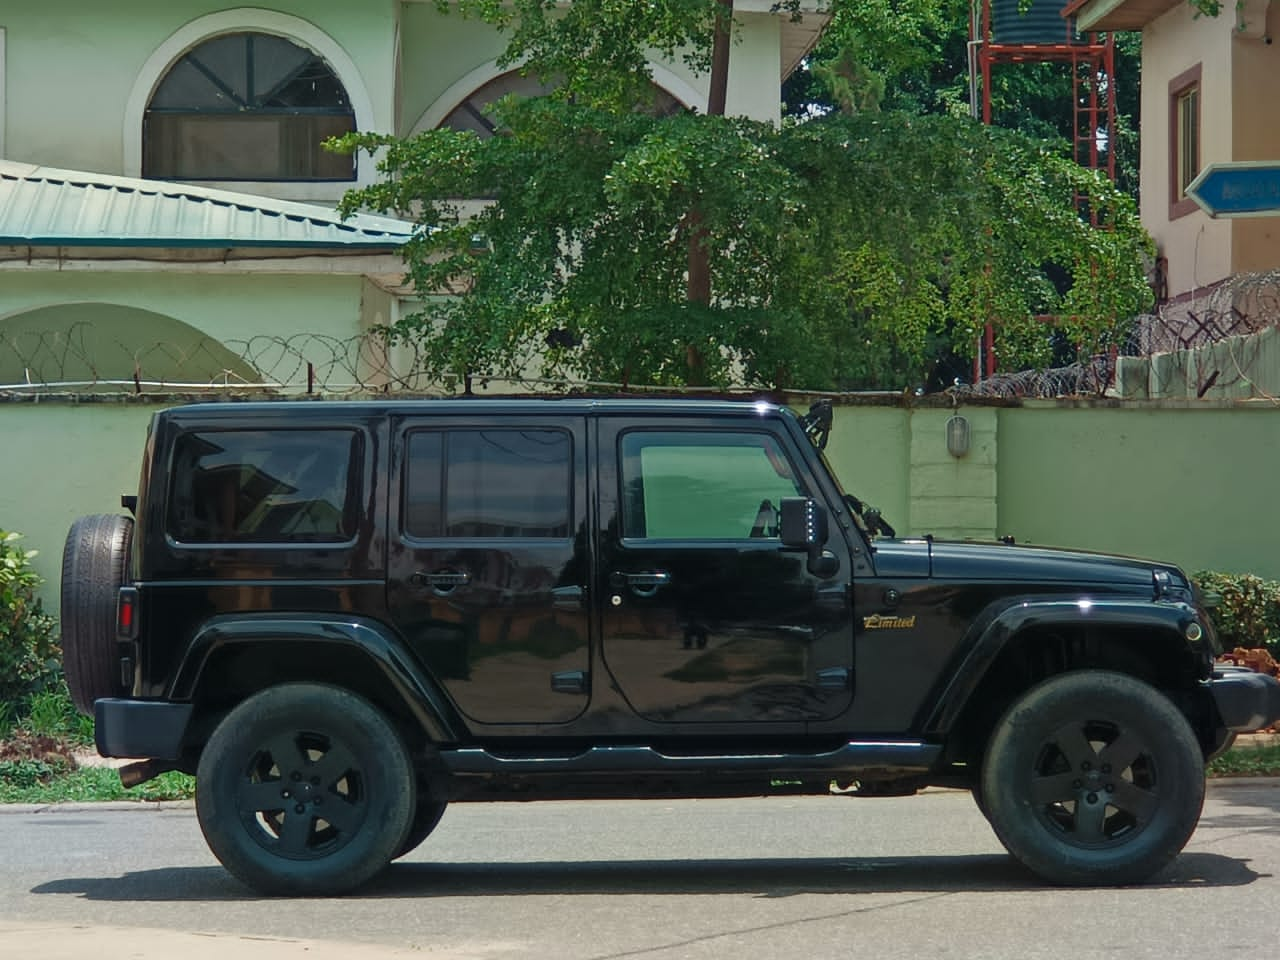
(45,207)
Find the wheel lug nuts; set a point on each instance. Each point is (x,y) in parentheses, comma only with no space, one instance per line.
(1092,798)
(284,794)
(1111,788)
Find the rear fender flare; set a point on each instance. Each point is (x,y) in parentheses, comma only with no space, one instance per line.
(992,633)
(365,637)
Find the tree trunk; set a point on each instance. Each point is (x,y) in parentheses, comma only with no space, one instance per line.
(699,270)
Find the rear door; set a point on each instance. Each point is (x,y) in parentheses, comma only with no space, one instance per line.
(705,617)
(487,562)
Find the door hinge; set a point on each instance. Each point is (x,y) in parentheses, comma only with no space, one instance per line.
(571,681)
(567,598)
(834,678)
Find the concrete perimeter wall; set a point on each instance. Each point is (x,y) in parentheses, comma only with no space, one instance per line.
(1193,483)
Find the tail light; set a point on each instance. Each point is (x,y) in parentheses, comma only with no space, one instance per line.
(127,613)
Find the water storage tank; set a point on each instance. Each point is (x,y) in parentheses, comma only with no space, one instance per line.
(1041,22)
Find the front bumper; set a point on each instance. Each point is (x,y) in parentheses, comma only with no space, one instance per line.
(148,729)
(1246,701)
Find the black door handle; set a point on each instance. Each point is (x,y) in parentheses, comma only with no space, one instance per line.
(644,584)
(442,581)
(653,578)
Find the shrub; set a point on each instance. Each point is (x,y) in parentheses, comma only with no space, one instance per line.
(1248,611)
(28,647)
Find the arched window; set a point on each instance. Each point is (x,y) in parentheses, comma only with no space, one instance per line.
(247,106)
(473,112)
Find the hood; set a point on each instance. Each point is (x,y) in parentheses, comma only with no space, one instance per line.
(943,560)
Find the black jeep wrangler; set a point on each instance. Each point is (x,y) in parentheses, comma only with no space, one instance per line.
(342,616)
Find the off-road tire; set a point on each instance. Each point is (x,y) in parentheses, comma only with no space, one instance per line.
(426,817)
(1093,777)
(304,790)
(432,801)
(95,562)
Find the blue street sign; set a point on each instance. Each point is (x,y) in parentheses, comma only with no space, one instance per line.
(1243,189)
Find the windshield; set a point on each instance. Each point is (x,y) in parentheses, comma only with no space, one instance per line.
(817,427)
(852,502)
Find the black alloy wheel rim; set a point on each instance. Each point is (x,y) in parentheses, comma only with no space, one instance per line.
(302,796)
(1095,784)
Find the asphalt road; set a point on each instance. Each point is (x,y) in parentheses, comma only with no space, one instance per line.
(817,878)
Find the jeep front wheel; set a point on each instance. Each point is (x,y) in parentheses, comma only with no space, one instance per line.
(305,789)
(1093,777)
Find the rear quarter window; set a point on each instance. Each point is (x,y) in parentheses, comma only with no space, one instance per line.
(264,486)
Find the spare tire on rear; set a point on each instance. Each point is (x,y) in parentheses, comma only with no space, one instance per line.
(95,562)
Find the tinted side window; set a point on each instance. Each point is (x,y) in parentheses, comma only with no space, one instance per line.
(488,483)
(703,486)
(264,486)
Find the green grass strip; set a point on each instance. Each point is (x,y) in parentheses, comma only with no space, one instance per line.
(1248,760)
(91,784)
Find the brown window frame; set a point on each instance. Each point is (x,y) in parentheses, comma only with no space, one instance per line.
(1186,82)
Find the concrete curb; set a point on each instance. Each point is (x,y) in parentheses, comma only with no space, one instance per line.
(97,806)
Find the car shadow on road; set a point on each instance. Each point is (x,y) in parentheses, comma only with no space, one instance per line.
(761,877)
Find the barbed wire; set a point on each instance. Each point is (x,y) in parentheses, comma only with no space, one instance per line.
(86,358)
(1234,313)
(1087,379)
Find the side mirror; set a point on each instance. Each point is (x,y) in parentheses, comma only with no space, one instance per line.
(803,524)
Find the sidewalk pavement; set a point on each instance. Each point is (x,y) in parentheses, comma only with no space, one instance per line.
(50,942)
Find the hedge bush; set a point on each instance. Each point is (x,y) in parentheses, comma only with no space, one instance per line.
(29,655)
(1248,611)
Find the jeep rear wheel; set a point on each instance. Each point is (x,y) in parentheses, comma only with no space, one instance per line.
(426,818)
(305,789)
(94,564)
(432,801)
(1093,778)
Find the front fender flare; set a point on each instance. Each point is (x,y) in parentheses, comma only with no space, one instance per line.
(367,638)
(992,633)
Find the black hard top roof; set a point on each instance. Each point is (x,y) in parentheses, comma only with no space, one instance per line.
(532,405)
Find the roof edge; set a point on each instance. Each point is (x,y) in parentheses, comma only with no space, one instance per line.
(315,213)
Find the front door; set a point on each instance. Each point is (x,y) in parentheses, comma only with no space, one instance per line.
(487,563)
(705,617)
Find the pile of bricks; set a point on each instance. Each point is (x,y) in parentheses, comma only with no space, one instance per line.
(1255,658)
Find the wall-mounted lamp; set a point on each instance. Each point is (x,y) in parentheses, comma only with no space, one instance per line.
(957,429)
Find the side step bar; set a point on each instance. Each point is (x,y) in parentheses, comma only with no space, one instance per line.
(882,757)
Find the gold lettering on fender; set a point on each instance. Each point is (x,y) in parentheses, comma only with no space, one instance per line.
(879,621)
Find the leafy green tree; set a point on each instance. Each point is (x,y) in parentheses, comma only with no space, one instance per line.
(843,252)
(911,55)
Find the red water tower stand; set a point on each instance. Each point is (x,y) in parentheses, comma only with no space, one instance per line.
(1044,31)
